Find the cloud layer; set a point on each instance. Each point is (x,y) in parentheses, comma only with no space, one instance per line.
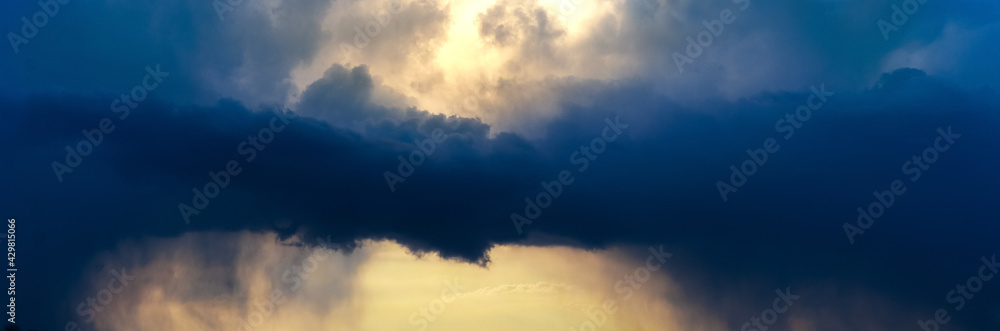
(512,95)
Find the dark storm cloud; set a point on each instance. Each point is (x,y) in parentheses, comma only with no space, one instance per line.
(325,174)
(656,184)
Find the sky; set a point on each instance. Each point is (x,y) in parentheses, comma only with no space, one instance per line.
(501,165)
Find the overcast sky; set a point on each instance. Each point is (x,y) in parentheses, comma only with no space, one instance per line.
(541,154)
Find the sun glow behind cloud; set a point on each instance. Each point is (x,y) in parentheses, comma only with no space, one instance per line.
(379,286)
(492,60)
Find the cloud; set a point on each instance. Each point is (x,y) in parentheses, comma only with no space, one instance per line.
(657,183)
(247,56)
(539,287)
(225,281)
(435,56)
(516,87)
(210,280)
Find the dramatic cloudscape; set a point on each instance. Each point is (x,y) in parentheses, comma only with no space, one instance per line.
(567,165)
